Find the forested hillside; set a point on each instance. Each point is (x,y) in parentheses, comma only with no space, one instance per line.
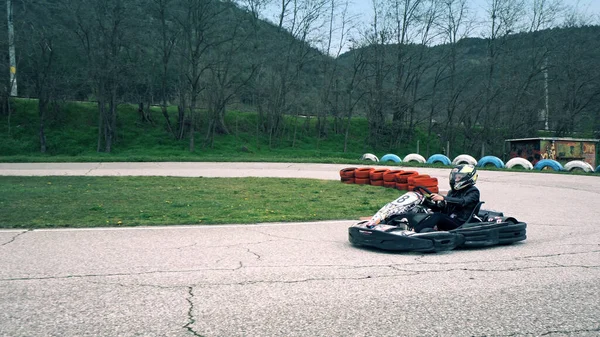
(417,69)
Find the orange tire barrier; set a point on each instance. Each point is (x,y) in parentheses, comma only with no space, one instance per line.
(389,184)
(362,181)
(411,179)
(402,186)
(390,176)
(377,182)
(425,182)
(377,174)
(363,172)
(347,172)
(348,181)
(402,177)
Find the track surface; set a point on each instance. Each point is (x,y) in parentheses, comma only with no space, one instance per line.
(304,279)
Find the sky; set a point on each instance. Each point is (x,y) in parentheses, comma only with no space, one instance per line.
(363,10)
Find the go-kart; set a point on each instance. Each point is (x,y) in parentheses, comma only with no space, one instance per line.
(391,228)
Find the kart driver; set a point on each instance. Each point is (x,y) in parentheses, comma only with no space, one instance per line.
(452,210)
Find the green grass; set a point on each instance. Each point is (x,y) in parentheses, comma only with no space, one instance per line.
(71,132)
(49,202)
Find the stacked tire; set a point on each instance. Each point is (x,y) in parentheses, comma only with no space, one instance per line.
(398,179)
(362,176)
(347,175)
(389,178)
(376,176)
(423,180)
(401,179)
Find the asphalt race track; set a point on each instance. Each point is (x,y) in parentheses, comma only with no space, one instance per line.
(304,279)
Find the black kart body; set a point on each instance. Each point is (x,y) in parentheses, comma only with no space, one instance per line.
(391,228)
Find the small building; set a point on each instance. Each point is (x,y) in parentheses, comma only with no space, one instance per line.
(562,150)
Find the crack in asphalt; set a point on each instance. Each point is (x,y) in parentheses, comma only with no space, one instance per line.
(560,254)
(565,332)
(258,257)
(306,280)
(566,266)
(408,272)
(92,169)
(16,236)
(118,274)
(288,238)
(397,267)
(190,313)
(241,244)
(569,332)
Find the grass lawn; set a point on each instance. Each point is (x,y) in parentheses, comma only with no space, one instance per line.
(48,202)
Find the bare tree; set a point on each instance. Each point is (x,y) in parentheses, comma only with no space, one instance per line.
(377,70)
(298,18)
(456,24)
(352,95)
(102,28)
(404,14)
(528,83)
(198,22)
(504,18)
(161,10)
(227,78)
(339,25)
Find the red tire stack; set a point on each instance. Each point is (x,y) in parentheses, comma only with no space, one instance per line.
(362,176)
(389,178)
(376,176)
(399,179)
(423,180)
(402,179)
(347,175)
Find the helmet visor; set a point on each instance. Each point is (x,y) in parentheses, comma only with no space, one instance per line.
(458,177)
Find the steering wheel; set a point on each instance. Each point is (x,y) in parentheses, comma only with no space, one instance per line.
(424,191)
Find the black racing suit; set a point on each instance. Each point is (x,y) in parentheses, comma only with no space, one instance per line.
(453,211)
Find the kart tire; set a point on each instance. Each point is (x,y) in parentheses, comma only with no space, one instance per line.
(402,177)
(347,172)
(551,163)
(493,160)
(402,186)
(415,157)
(391,157)
(377,182)
(389,184)
(464,159)
(411,179)
(348,181)
(390,175)
(439,158)
(426,182)
(362,181)
(377,174)
(518,161)
(578,164)
(363,172)
(369,156)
